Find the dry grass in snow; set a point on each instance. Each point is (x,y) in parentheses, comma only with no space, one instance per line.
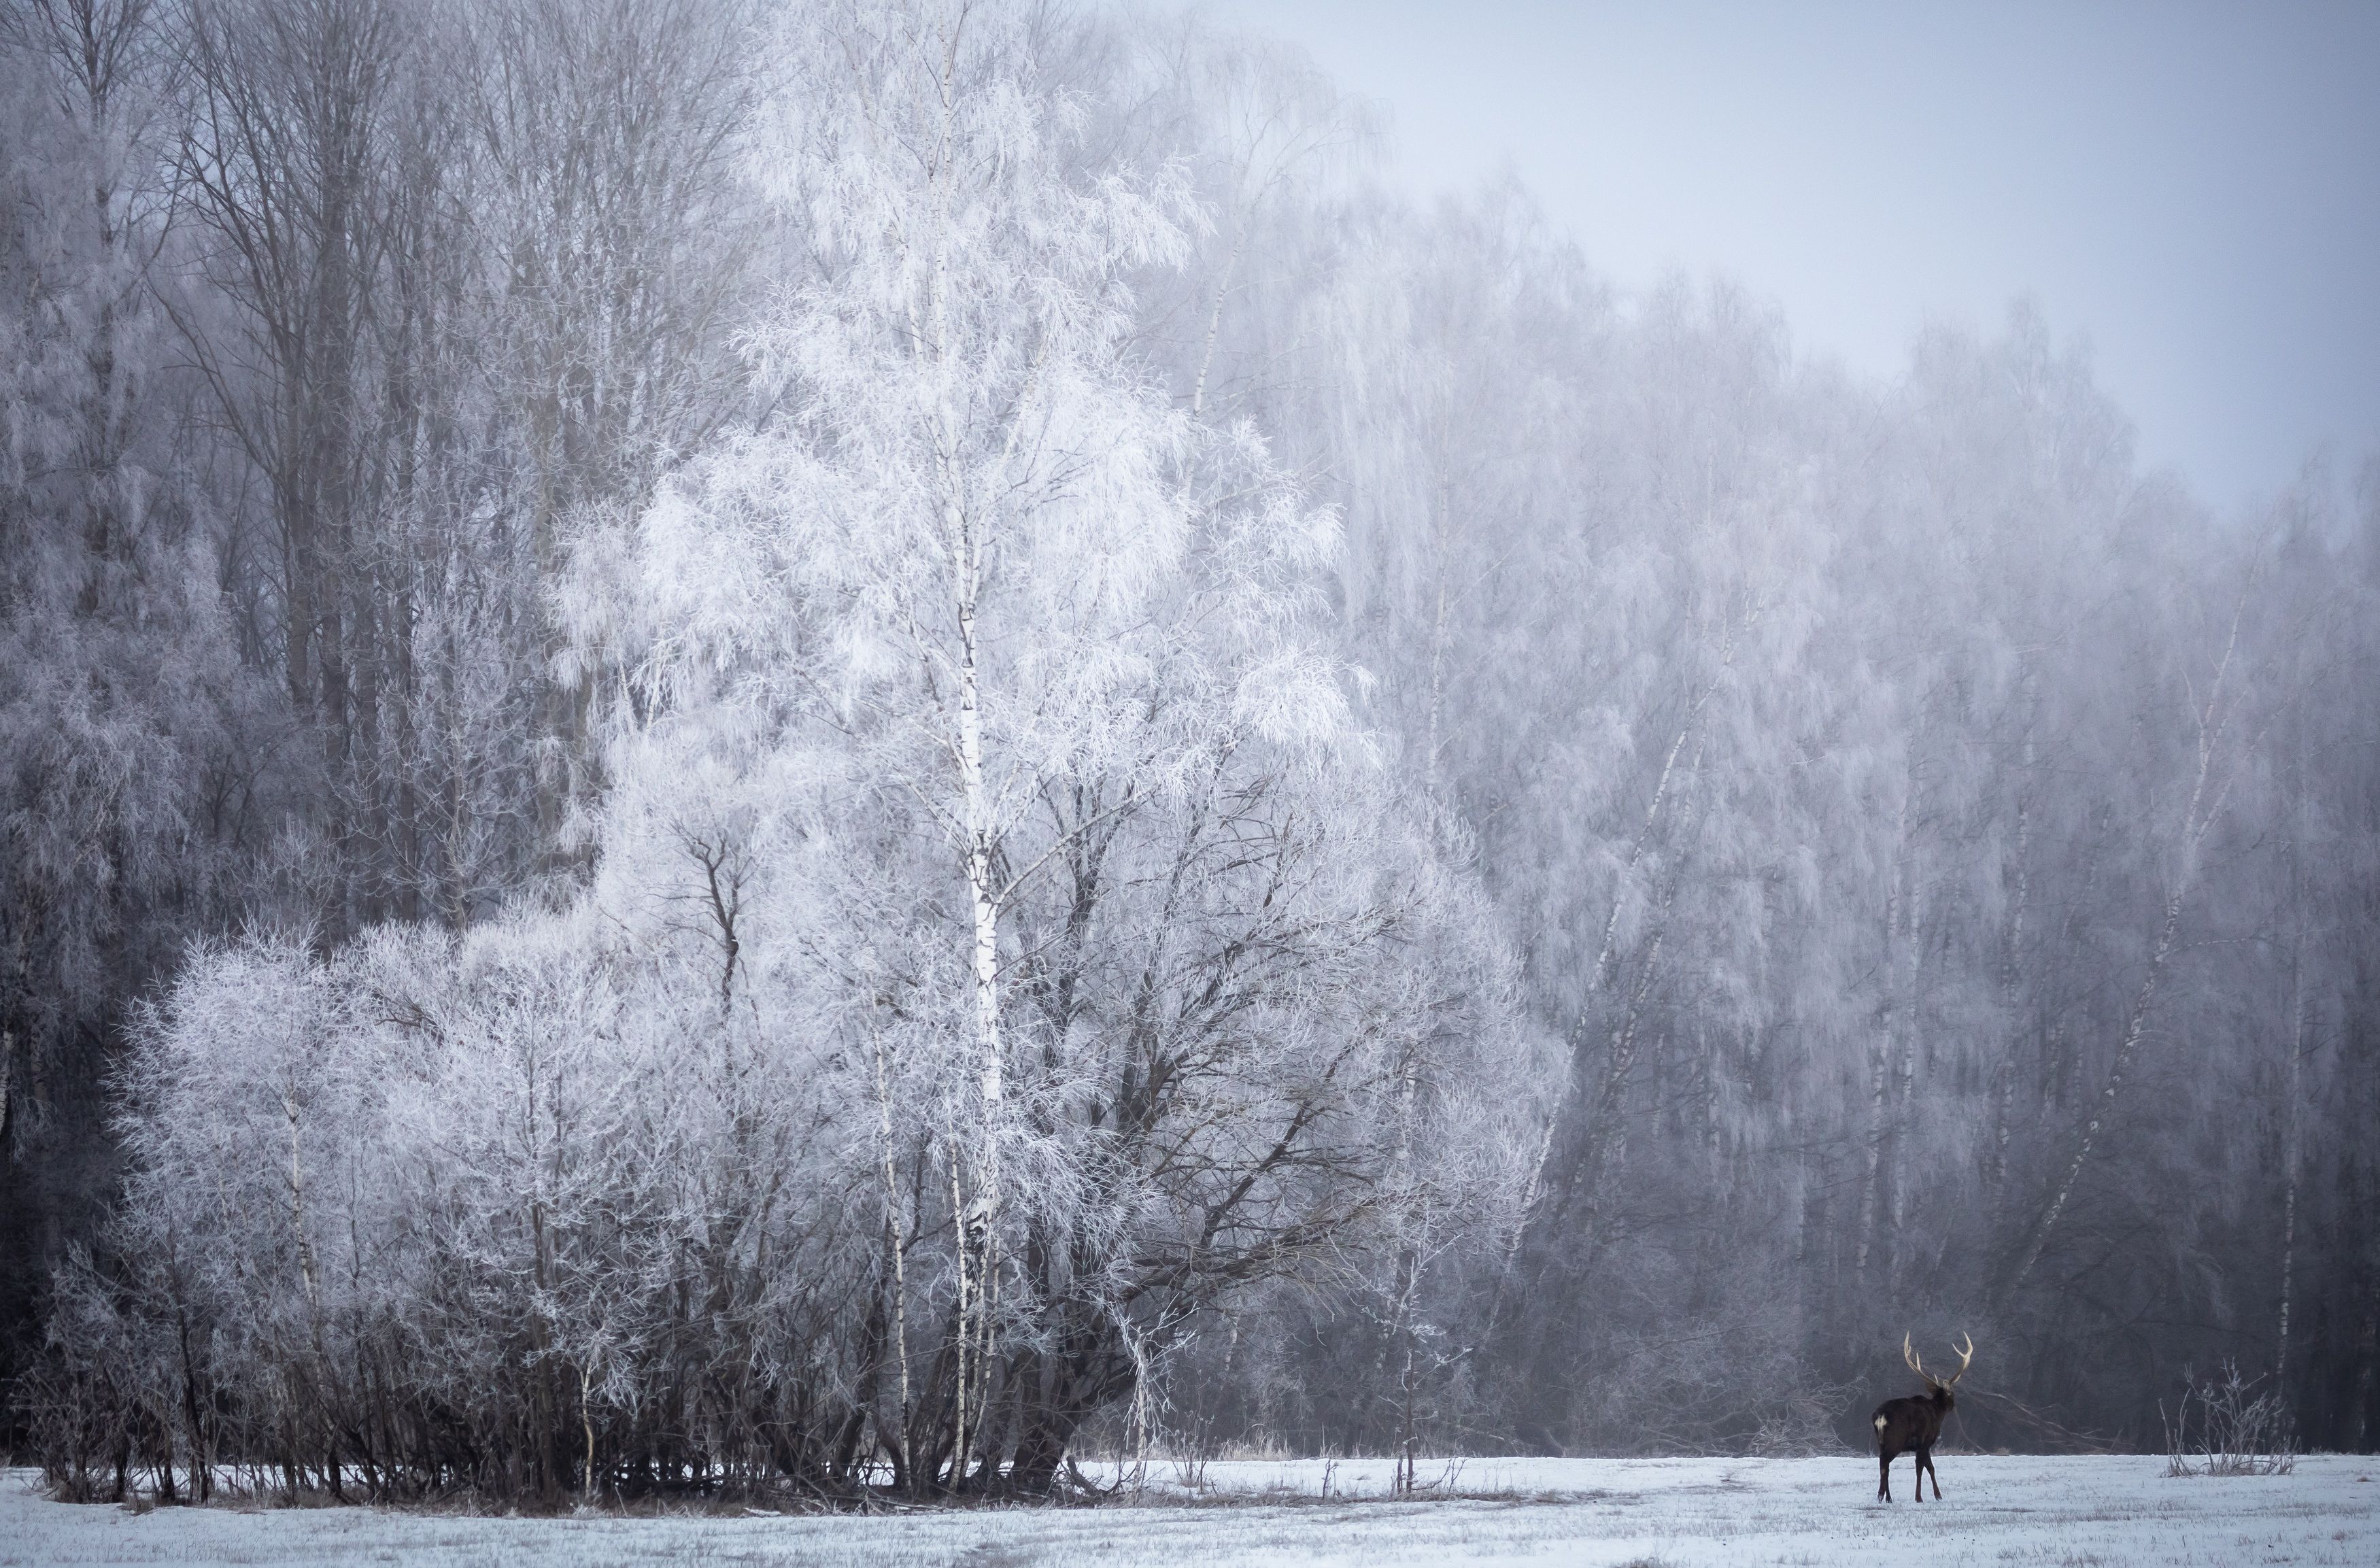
(2105,1512)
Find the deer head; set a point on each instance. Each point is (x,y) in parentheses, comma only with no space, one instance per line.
(1940,1385)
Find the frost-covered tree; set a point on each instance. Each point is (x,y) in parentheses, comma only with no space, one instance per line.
(1003,946)
(121,799)
(984,587)
(976,755)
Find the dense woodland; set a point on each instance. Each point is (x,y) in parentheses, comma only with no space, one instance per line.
(857,743)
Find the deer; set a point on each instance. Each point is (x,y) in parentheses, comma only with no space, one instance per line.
(1912,1424)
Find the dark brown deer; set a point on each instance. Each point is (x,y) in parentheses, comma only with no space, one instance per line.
(1903,1426)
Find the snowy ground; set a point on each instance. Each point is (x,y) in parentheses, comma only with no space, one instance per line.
(2102,1512)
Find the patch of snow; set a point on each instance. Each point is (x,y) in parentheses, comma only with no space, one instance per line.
(2109,1511)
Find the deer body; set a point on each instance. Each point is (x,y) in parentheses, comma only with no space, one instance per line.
(1914,1424)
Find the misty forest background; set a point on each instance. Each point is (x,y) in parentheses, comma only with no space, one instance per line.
(863,743)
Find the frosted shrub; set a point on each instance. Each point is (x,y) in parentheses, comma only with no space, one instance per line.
(1003,942)
(2223,1426)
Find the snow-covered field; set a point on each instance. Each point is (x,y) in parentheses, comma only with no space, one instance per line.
(2099,1512)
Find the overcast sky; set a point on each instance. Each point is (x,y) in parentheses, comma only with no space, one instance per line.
(2192,188)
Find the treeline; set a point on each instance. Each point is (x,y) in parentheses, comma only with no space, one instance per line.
(325,322)
(839,745)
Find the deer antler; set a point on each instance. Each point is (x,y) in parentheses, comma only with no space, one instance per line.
(1917,1365)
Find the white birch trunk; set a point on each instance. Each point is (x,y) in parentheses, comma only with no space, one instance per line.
(2003,1084)
(2197,817)
(963,527)
(1215,318)
(1881,1054)
(2290,1157)
(899,1255)
(2292,1086)
(1600,976)
(2112,1089)
(984,898)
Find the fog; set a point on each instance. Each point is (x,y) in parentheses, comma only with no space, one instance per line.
(2178,185)
(826,750)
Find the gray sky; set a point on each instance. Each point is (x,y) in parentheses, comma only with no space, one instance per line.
(2193,187)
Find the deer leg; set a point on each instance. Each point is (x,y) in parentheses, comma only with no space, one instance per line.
(1884,1476)
(1925,1468)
